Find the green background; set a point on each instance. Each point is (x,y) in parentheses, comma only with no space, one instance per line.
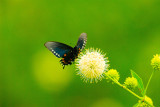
(30,76)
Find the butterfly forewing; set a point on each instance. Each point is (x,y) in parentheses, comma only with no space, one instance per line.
(82,41)
(58,49)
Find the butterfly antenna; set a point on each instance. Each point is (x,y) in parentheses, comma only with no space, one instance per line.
(63,66)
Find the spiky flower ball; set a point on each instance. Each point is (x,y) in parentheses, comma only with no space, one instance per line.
(146,103)
(131,82)
(92,65)
(155,62)
(112,73)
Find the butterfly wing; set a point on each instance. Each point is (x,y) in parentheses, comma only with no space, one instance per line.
(58,49)
(82,41)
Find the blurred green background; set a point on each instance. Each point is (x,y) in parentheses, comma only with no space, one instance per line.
(30,76)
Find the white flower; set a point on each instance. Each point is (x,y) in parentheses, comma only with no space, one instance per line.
(92,65)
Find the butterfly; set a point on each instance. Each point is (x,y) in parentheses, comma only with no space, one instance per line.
(66,52)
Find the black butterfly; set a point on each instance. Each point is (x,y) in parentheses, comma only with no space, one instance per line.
(67,53)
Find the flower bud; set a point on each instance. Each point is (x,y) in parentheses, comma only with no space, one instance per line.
(131,82)
(113,74)
(155,62)
(146,103)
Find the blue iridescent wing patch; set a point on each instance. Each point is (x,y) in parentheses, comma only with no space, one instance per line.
(58,49)
(82,41)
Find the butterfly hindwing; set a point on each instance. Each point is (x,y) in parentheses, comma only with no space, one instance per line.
(82,41)
(57,48)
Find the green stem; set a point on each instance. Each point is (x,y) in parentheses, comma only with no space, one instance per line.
(132,92)
(141,98)
(125,88)
(148,83)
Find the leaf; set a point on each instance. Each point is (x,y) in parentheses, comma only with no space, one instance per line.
(139,80)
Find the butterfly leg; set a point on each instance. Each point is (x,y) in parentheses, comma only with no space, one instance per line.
(60,61)
(63,66)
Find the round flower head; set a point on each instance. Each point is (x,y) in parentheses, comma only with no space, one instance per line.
(113,74)
(131,82)
(155,62)
(148,101)
(143,104)
(91,65)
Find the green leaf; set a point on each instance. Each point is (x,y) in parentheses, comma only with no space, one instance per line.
(140,82)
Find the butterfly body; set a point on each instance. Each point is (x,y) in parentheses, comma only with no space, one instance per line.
(67,53)
(69,57)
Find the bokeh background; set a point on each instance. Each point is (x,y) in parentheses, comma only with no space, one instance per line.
(31,76)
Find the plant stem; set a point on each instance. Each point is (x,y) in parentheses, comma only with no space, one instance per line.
(148,83)
(141,98)
(125,88)
(132,92)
